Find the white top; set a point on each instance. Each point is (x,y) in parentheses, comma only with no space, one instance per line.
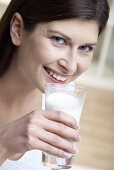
(31,160)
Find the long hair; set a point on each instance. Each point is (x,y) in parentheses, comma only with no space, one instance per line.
(35,11)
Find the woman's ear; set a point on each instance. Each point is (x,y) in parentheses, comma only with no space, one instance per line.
(16,29)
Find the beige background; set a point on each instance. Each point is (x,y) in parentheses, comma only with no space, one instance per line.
(96,148)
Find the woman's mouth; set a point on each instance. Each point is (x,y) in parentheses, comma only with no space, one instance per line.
(56,76)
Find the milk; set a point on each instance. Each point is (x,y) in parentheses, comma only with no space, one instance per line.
(67,103)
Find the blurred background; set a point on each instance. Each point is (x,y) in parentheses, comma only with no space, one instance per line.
(96,149)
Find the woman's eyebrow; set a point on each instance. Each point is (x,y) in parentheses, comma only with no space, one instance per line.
(68,38)
(91,44)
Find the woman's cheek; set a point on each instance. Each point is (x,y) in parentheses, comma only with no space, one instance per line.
(50,54)
(84,65)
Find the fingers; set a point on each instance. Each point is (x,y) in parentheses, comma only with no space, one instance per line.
(61,117)
(51,132)
(58,148)
(61,130)
(54,140)
(47,148)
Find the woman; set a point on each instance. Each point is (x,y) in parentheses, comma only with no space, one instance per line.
(42,42)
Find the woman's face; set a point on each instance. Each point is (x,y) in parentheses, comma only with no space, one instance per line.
(57,52)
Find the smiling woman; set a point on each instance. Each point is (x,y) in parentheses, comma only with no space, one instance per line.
(42,42)
(46,50)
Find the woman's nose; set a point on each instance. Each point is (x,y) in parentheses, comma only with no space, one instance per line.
(69,63)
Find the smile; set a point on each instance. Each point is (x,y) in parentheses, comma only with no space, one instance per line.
(55,75)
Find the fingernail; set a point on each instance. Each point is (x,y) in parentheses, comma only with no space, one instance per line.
(74,149)
(67,155)
(77,127)
(77,138)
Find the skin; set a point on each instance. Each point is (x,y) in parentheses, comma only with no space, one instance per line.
(65,47)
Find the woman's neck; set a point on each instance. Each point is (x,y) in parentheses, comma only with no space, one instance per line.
(18,95)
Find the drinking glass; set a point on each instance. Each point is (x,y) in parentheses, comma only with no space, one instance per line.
(69,99)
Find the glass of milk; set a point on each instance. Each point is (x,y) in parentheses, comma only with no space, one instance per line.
(69,99)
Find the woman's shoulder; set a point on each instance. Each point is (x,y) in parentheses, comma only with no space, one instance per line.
(30,160)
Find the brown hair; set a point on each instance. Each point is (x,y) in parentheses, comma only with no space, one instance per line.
(35,11)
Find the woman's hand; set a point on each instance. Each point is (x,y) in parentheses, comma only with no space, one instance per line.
(53,132)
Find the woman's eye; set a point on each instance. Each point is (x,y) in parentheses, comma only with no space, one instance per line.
(58,40)
(86,48)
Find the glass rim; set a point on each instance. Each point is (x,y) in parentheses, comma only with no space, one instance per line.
(75,87)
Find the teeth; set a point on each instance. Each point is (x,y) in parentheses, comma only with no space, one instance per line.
(54,75)
(63,78)
(51,73)
(58,77)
